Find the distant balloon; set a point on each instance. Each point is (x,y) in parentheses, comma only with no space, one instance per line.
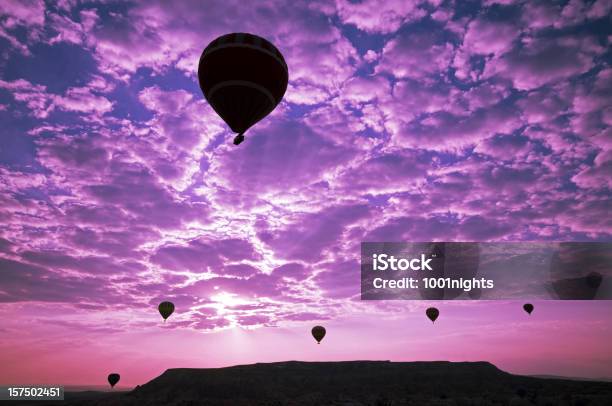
(166,309)
(113,379)
(578,270)
(432,313)
(318,332)
(243,78)
(528,307)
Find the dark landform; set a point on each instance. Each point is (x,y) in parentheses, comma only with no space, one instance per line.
(349,383)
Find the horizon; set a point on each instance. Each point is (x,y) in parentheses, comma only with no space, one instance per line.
(417,120)
(421,341)
(120,388)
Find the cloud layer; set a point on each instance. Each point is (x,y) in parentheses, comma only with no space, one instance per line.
(408,120)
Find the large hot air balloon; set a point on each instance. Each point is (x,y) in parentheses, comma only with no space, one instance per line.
(243,77)
(528,307)
(432,313)
(318,332)
(113,379)
(166,309)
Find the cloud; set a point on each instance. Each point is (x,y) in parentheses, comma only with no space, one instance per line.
(200,256)
(600,9)
(504,147)
(387,173)
(366,89)
(444,131)
(597,97)
(483,40)
(119,184)
(379,17)
(543,106)
(182,120)
(310,235)
(339,280)
(70,31)
(541,15)
(477,228)
(411,99)
(282,156)
(41,103)
(105,176)
(95,265)
(30,12)
(160,36)
(15,14)
(419,56)
(489,37)
(597,176)
(305,93)
(25,282)
(293,270)
(542,61)
(412,228)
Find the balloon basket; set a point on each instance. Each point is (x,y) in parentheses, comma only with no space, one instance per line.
(238,139)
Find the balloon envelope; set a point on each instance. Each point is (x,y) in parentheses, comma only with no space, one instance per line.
(576,270)
(432,313)
(243,78)
(166,309)
(113,379)
(318,332)
(528,307)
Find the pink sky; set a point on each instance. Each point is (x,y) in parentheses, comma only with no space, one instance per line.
(403,121)
(564,338)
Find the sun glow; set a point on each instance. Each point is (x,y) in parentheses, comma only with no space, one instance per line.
(225,299)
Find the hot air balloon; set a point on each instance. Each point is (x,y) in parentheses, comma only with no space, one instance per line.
(318,332)
(243,78)
(528,307)
(166,309)
(432,313)
(113,379)
(578,270)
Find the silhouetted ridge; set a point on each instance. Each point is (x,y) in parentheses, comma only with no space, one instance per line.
(358,383)
(321,380)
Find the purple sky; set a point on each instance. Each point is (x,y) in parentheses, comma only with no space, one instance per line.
(403,121)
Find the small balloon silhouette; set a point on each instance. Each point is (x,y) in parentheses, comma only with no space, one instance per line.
(166,309)
(528,307)
(113,379)
(432,313)
(318,332)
